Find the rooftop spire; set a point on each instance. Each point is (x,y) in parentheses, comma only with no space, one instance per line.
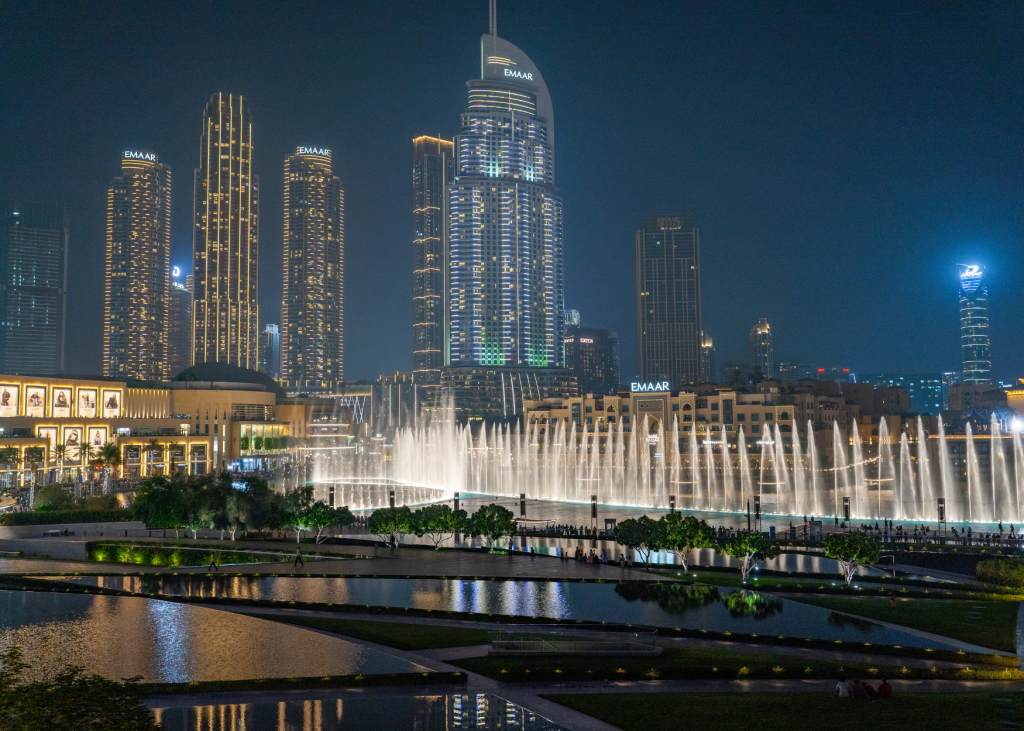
(494,17)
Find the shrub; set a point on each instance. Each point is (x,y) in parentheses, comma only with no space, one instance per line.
(1002,571)
(68,516)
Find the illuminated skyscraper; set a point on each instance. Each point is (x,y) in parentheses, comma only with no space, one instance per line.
(433,167)
(270,351)
(137,291)
(314,245)
(225,310)
(668,300)
(762,350)
(974,338)
(33,288)
(504,269)
(179,325)
(708,360)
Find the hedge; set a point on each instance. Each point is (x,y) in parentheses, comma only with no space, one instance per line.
(157,555)
(68,516)
(1002,571)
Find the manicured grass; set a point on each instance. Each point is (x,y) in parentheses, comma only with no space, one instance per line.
(700,663)
(984,623)
(401,635)
(788,711)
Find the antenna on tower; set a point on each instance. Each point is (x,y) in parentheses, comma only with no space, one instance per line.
(494,17)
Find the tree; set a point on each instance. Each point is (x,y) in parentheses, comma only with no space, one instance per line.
(851,550)
(264,509)
(9,456)
(492,522)
(751,548)
(683,535)
(107,457)
(643,535)
(319,516)
(161,503)
(438,521)
(60,451)
(69,700)
(52,498)
(390,524)
(295,504)
(153,445)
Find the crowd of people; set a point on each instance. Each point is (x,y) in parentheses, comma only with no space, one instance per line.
(863,691)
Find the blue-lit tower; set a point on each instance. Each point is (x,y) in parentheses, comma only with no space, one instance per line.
(504,256)
(974,337)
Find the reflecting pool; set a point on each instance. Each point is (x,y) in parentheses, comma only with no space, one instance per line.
(121,637)
(622,602)
(345,711)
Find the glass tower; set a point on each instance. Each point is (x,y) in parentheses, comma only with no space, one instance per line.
(762,350)
(433,167)
(974,338)
(137,293)
(314,250)
(668,300)
(504,269)
(179,325)
(33,295)
(225,309)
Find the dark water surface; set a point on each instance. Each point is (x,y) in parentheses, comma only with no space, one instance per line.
(727,610)
(120,637)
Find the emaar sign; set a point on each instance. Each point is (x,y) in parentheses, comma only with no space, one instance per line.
(132,155)
(649,387)
(515,74)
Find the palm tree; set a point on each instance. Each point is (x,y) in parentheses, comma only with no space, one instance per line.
(60,451)
(8,456)
(33,457)
(153,445)
(106,457)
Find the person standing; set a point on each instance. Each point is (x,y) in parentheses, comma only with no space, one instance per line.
(298,558)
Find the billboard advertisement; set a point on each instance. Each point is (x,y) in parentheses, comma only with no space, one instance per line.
(35,400)
(49,433)
(97,436)
(111,399)
(73,440)
(9,399)
(60,407)
(87,398)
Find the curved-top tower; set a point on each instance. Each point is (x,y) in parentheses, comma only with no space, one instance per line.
(504,257)
(974,337)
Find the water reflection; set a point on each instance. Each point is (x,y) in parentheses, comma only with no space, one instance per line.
(680,598)
(120,637)
(365,713)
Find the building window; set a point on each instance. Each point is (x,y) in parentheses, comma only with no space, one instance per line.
(753,417)
(590,420)
(714,418)
(769,417)
(754,428)
(714,406)
(675,407)
(625,419)
(590,409)
(741,417)
(687,417)
(625,408)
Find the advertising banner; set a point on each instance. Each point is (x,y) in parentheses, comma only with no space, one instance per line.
(73,440)
(97,436)
(87,398)
(111,399)
(35,400)
(60,408)
(49,433)
(9,399)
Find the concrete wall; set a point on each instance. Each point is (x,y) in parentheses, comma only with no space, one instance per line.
(109,530)
(54,548)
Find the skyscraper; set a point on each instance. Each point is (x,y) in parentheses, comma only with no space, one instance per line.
(225,310)
(504,272)
(592,355)
(708,360)
(33,295)
(137,289)
(179,325)
(974,338)
(762,352)
(433,167)
(314,246)
(668,300)
(270,351)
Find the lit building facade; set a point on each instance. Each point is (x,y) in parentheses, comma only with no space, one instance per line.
(433,167)
(924,389)
(270,351)
(668,300)
(500,394)
(225,251)
(136,298)
(179,324)
(504,264)
(976,358)
(762,350)
(708,359)
(314,235)
(33,295)
(592,356)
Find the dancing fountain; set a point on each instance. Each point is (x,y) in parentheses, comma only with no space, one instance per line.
(721,472)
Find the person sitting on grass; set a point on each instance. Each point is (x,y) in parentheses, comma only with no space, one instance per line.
(858,690)
(884,689)
(843,688)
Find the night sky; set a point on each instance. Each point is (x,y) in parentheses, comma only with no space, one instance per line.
(839,158)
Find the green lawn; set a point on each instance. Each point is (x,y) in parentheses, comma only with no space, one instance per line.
(699,663)
(788,711)
(401,635)
(985,623)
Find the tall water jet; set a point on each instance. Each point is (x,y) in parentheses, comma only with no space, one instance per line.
(1018,468)
(999,475)
(886,470)
(839,466)
(973,474)
(861,508)
(946,476)
(728,480)
(695,487)
(814,469)
(906,477)
(799,482)
(926,491)
(746,481)
(782,484)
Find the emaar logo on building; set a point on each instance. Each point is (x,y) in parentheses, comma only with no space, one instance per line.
(519,74)
(129,155)
(322,151)
(649,387)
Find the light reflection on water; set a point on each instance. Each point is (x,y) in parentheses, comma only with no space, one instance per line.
(120,637)
(554,599)
(367,713)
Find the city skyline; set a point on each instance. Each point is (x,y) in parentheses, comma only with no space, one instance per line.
(906,246)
